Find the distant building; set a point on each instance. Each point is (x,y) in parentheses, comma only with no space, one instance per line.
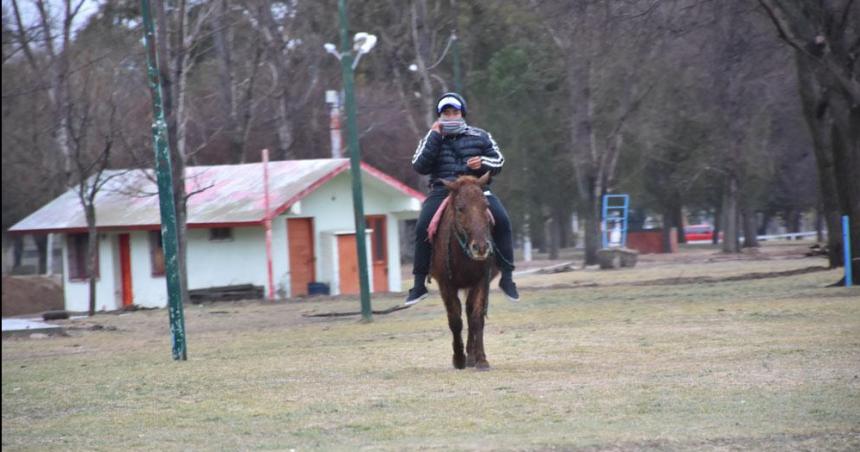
(313,233)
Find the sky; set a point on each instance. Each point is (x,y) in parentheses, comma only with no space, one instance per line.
(56,8)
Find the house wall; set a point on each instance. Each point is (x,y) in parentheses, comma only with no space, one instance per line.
(243,259)
(211,263)
(331,207)
(77,291)
(149,291)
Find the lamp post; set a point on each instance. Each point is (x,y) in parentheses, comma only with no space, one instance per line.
(163,171)
(362,43)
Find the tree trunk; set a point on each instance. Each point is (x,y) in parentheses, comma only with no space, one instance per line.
(223,39)
(718,224)
(552,237)
(173,77)
(92,255)
(566,228)
(678,219)
(730,216)
(819,224)
(815,110)
(182,245)
(792,220)
(765,222)
(749,225)
(846,158)
(285,130)
(593,240)
(667,230)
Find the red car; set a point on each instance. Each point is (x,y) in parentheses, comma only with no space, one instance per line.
(698,232)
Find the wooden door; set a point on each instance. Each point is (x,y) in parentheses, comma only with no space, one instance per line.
(348,264)
(300,235)
(379,252)
(125,270)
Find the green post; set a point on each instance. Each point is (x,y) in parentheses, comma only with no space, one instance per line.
(355,163)
(165,189)
(458,85)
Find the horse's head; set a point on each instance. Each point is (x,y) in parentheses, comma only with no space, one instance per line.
(471,220)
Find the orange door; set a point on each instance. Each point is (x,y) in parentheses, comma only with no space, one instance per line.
(379,252)
(125,270)
(300,235)
(348,264)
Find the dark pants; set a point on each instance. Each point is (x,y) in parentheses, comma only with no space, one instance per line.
(502,233)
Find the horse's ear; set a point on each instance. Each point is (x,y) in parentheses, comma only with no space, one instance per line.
(450,185)
(484,180)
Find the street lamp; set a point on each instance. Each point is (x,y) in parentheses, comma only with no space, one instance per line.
(453,43)
(362,43)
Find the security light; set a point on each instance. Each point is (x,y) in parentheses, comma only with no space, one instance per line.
(363,42)
(332,49)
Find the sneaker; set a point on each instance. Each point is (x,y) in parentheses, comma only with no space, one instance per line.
(416,294)
(509,287)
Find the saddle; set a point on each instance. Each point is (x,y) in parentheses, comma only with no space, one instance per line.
(437,217)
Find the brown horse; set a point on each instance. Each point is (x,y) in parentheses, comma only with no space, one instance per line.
(463,259)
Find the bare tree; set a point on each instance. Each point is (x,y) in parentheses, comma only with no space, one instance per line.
(237,77)
(92,139)
(825,37)
(417,40)
(292,54)
(605,46)
(54,62)
(179,33)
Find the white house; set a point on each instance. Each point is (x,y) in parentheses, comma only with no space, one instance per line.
(312,233)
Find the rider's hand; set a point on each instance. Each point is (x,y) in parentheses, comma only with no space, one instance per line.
(474,163)
(437,127)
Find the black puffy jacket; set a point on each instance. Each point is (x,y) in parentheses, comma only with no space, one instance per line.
(445,157)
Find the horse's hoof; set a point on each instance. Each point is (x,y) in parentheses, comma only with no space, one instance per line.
(482,366)
(459,362)
(470,361)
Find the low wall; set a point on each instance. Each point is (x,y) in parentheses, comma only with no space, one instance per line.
(651,241)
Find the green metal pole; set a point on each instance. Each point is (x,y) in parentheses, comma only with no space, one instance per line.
(355,163)
(458,85)
(165,189)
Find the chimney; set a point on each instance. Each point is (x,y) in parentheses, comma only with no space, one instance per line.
(332,98)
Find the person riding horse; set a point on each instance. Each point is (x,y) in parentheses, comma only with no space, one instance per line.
(451,149)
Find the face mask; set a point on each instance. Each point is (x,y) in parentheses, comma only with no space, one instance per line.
(453,127)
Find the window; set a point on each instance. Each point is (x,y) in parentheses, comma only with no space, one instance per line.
(156,253)
(77,245)
(218,234)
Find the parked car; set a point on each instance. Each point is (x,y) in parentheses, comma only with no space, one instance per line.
(696,232)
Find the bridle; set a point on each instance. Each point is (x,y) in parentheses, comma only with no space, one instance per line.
(463,237)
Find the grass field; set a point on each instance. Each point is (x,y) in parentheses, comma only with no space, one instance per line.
(654,357)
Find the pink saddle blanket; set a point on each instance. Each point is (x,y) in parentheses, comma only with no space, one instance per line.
(437,217)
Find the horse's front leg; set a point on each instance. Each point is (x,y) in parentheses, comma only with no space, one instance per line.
(475,308)
(455,322)
(470,335)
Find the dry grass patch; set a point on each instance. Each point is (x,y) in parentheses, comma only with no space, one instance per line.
(762,364)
